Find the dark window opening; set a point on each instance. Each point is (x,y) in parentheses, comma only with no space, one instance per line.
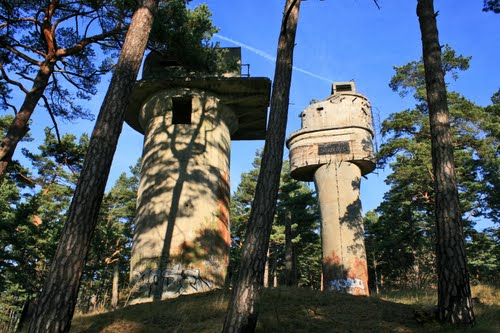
(181,110)
(343,87)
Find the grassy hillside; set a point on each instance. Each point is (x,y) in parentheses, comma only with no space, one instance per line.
(293,310)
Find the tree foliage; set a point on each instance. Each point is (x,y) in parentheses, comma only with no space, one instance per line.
(491,5)
(63,48)
(31,221)
(294,198)
(400,235)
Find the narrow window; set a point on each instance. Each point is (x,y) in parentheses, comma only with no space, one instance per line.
(181,110)
(343,87)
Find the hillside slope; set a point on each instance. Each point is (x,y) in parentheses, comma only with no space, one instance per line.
(281,310)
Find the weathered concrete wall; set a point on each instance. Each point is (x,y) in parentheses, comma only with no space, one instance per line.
(344,258)
(334,148)
(181,240)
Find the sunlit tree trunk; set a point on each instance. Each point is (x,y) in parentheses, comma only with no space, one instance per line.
(19,126)
(242,315)
(454,296)
(59,294)
(114,288)
(266,271)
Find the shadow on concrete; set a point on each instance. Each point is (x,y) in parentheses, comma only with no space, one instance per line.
(175,179)
(350,279)
(353,219)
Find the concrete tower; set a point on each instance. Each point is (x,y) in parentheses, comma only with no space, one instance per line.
(334,148)
(181,237)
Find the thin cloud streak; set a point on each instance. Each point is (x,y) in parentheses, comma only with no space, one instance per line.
(269,57)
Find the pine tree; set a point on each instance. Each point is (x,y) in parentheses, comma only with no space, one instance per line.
(242,315)
(59,295)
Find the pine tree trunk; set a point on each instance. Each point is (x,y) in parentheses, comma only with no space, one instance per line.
(290,267)
(242,315)
(19,126)
(377,290)
(114,288)
(295,273)
(266,271)
(275,272)
(57,301)
(454,296)
(26,315)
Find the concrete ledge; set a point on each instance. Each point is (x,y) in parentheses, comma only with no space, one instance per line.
(248,98)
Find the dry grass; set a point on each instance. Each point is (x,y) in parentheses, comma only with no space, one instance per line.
(295,310)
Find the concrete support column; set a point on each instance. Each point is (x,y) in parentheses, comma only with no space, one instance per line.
(344,258)
(181,236)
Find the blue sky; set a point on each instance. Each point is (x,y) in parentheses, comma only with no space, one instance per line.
(336,41)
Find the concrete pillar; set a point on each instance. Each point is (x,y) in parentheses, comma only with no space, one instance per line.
(188,118)
(181,238)
(344,258)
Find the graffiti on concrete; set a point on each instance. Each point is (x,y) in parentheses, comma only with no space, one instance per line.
(346,284)
(172,281)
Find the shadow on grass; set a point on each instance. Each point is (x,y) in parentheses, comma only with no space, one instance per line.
(286,310)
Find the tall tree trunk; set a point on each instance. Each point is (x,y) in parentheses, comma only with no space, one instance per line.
(290,267)
(26,315)
(454,296)
(114,288)
(375,265)
(242,315)
(19,126)
(266,270)
(58,298)
(275,272)
(295,273)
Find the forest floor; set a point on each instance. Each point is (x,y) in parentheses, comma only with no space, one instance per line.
(290,310)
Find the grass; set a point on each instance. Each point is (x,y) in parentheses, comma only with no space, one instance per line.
(295,310)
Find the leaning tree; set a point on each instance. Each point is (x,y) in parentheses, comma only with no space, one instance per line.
(59,295)
(242,314)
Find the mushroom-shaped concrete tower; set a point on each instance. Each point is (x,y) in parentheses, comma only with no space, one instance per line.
(181,237)
(334,148)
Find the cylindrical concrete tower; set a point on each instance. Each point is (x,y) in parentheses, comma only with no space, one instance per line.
(181,236)
(334,148)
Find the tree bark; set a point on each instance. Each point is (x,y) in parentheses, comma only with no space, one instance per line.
(290,265)
(266,270)
(454,296)
(242,313)
(19,126)
(114,288)
(58,298)
(275,272)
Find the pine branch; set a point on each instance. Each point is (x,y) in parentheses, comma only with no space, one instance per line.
(9,21)
(49,109)
(23,56)
(75,14)
(88,26)
(29,48)
(84,42)
(24,76)
(6,77)
(63,73)
(4,98)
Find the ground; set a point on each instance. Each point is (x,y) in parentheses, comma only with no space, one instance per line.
(295,310)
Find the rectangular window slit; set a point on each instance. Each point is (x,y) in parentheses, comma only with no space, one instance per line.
(181,110)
